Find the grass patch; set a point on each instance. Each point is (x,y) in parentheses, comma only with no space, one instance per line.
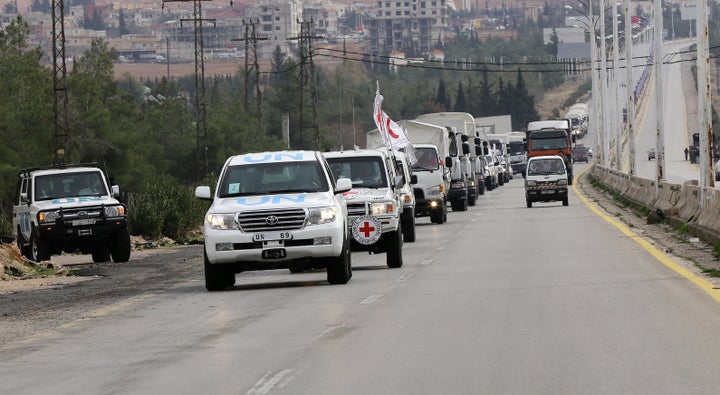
(711,272)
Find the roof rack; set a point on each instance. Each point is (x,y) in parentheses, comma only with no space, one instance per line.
(29,170)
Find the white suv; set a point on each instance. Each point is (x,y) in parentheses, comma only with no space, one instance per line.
(374,204)
(546,180)
(276,210)
(69,208)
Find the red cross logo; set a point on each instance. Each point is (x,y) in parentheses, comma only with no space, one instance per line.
(367,229)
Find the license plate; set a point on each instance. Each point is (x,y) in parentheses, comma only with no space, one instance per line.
(265,236)
(547,192)
(80,222)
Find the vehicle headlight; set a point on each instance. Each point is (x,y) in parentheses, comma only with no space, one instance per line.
(487,173)
(322,215)
(472,183)
(458,184)
(436,189)
(221,221)
(48,216)
(530,183)
(115,211)
(562,182)
(382,208)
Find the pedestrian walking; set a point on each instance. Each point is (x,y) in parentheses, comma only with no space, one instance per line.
(686,153)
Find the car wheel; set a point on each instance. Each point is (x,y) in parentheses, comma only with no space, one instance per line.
(394,257)
(39,248)
(408,227)
(218,276)
(459,205)
(120,246)
(100,253)
(529,203)
(471,200)
(22,246)
(339,268)
(565,201)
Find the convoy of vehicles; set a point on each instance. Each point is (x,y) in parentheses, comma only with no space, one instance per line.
(546,180)
(69,208)
(551,137)
(274,210)
(374,204)
(463,178)
(434,147)
(580,153)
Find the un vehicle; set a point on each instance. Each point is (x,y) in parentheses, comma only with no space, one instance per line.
(69,208)
(275,210)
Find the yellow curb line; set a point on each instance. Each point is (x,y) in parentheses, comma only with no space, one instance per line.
(704,284)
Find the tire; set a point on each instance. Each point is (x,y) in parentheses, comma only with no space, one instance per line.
(100,253)
(482,189)
(471,200)
(565,201)
(120,246)
(24,249)
(218,276)
(394,257)
(408,228)
(339,269)
(39,248)
(529,203)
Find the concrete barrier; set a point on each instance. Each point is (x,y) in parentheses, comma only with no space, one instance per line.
(668,197)
(690,208)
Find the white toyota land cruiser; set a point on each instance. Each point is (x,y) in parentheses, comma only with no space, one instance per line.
(276,210)
(69,208)
(374,204)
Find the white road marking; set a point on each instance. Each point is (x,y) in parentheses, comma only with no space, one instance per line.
(270,381)
(426,261)
(329,331)
(372,299)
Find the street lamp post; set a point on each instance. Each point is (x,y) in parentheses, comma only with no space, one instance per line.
(629,88)
(617,120)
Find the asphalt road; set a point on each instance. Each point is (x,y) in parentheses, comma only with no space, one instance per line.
(502,299)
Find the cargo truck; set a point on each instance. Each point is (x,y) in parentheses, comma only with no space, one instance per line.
(434,149)
(551,137)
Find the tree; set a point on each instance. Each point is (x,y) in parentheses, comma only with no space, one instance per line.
(523,105)
(460,104)
(442,98)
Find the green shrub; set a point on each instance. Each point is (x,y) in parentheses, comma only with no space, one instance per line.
(166,208)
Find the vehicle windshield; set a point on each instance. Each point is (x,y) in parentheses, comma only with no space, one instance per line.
(62,185)
(546,166)
(427,159)
(272,178)
(544,144)
(364,171)
(516,148)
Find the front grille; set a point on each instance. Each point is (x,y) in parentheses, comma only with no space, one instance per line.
(355,209)
(72,214)
(270,220)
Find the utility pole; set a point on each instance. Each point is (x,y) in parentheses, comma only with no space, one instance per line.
(200,104)
(60,97)
(252,68)
(707,157)
(659,103)
(630,92)
(308,95)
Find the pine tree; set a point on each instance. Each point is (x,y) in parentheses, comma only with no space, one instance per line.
(460,104)
(442,98)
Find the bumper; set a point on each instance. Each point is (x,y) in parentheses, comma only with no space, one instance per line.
(457,193)
(518,167)
(233,246)
(423,207)
(97,231)
(546,195)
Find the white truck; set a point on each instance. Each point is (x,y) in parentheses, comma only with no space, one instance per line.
(69,208)
(516,151)
(546,180)
(374,203)
(275,210)
(462,125)
(432,148)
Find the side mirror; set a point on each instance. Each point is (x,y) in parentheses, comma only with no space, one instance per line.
(448,162)
(478,151)
(486,151)
(466,148)
(203,192)
(464,138)
(115,191)
(343,185)
(413,179)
